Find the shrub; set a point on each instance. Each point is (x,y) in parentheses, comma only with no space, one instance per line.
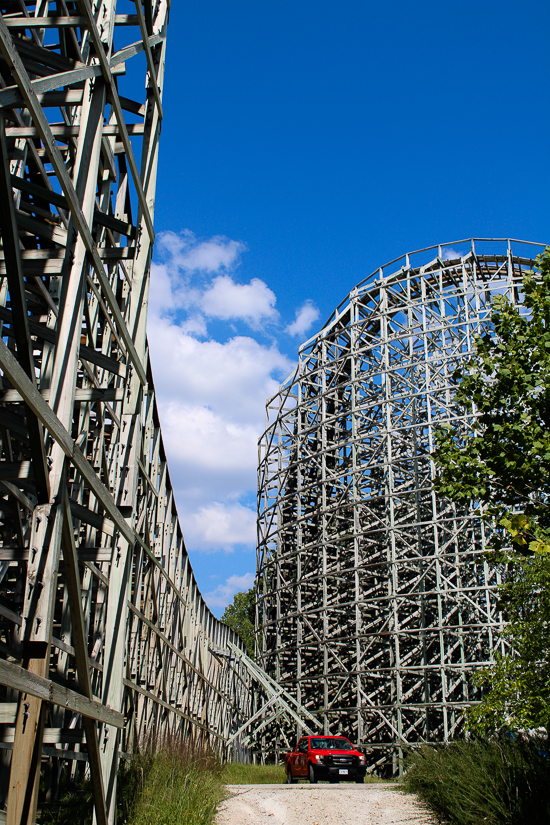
(503,781)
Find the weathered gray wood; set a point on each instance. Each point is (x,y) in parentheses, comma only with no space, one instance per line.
(88,354)
(78,636)
(87,394)
(25,86)
(63,131)
(22,680)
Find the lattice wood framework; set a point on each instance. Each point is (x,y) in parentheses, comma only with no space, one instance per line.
(104,637)
(374,599)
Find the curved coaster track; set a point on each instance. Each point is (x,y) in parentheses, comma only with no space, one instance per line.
(105,641)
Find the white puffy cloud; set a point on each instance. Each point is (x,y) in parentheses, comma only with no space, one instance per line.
(223,594)
(190,255)
(195,325)
(221,526)
(234,378)
(305,317)
(184,281)
(253,302)
(450,254)
(211,397)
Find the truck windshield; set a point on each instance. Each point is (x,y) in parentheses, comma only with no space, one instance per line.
(331,745)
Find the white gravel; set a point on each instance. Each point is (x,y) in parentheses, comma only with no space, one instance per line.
(320,805)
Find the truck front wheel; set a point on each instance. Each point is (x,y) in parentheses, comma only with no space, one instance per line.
(312,777)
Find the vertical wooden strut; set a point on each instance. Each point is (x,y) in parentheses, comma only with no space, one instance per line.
(105,642)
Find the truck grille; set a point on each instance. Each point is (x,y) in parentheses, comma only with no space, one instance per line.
(341,760)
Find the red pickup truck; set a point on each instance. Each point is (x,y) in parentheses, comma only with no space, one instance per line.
(325,757)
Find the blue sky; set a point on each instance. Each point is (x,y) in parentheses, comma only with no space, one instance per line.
(303,145)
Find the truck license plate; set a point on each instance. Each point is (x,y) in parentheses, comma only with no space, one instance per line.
(343,771)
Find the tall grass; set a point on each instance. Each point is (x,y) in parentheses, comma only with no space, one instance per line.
(180,787)
(177,785)
(496,782)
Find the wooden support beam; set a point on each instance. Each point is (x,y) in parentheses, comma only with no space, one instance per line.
(78,638)
(20,679)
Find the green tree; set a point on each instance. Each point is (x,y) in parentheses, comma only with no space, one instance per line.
(517,686)
(504,465)
(241,616)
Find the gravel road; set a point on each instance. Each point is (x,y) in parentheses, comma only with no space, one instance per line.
(320,805)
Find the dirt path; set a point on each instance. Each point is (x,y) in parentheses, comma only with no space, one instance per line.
(320,805)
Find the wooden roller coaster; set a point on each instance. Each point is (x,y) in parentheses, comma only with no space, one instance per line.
(105,641)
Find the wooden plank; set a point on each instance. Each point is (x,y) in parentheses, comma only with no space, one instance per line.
(99,555)
(10,615)
(84,394)
(62,131)
(11,96)
(7,712)
(55,21)
(13,554)
(24,681)
(44,22)
(97,520)
(52,736)
(78,638)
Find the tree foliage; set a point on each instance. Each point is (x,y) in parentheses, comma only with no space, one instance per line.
(504,464)
(241,616)
(517,687)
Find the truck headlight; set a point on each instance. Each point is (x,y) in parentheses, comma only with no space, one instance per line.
(319,759)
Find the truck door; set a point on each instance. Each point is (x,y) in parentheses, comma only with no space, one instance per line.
(301,758)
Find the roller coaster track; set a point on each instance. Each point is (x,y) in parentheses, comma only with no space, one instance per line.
(105,640)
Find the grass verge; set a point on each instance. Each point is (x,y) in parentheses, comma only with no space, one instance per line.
(496,782)
(236,774)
